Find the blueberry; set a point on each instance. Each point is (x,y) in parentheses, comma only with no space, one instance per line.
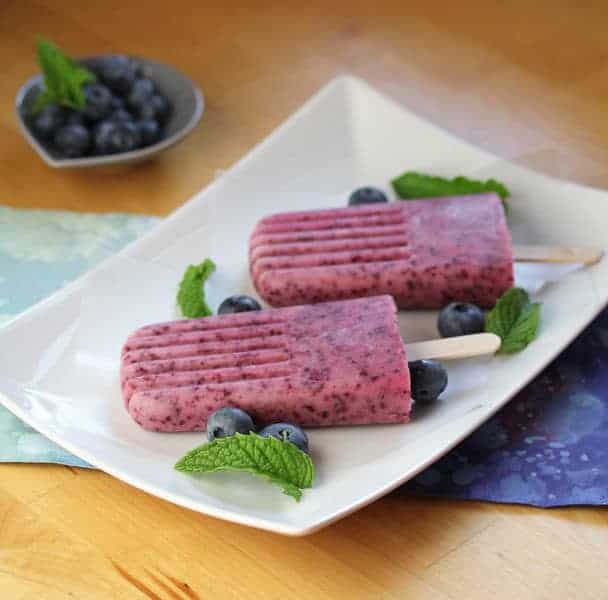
(118,72)
(149,131)
(162,107)
(140,94)
(286,432)
(112,137)
(237,304)
(367,195)
(147,110)
(155,107)
(459,318)
(428,380)
(98,101)
(75,117)
(49,120)
(138,68)
(121,115)
(118,103)
(73,140)
(227,421)
(92,64)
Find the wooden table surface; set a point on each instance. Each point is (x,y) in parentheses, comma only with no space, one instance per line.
(525,80)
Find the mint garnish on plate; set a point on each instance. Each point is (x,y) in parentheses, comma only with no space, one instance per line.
(64,79)
(514,319)
(191,291)
(279,462)
(418,185)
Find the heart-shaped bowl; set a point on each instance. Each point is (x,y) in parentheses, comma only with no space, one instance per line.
(186,100)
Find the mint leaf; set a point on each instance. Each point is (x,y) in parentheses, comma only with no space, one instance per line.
(524,330)
(501,319)
(191,292)
(418,185)
(63,78)
(279,462)
(515,320)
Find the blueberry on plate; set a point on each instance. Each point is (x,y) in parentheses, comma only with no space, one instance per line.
(149,131)
(140,94)
(49,120)
(118,72)
(460,318)
(73,141)
(237,304)
(227,421)
(112,137)
(286,432)
(367,195)
(97,101)
(428,380)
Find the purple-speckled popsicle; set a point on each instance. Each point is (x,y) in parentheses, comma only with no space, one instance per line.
(338,363)
(424,253)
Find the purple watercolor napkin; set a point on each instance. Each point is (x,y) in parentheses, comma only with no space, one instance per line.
(547,447)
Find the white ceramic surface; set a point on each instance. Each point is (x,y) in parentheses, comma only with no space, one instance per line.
(59,367)
(187,106)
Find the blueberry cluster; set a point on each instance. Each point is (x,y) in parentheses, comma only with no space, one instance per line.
(123,111)
(228,420)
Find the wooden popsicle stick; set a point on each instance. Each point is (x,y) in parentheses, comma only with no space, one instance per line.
(463,346)
(557,254)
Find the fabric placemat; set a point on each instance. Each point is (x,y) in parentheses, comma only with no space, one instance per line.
(40,251)
(547,447)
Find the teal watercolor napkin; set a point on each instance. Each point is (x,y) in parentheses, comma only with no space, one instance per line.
(41,251)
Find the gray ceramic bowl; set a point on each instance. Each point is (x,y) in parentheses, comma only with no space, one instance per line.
(187,108)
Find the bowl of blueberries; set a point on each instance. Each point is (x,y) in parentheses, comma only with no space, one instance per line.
(106,109)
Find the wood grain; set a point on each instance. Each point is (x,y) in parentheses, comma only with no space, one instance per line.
(526,80)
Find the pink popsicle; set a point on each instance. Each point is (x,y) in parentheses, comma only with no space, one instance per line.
(338,363)
(424,253)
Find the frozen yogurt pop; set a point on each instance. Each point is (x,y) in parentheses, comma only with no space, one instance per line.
(339,363)
(424,253)
(335,363)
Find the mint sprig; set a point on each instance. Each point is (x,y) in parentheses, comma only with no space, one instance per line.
(191,291)
(281,463)
(515,320)
(64,79)
(419,185)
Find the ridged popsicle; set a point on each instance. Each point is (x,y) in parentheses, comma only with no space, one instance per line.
(338,363)
(424,253)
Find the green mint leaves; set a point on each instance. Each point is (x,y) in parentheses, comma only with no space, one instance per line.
(514,319)
(191,292)
(280,462)
(63,78)
(419,185)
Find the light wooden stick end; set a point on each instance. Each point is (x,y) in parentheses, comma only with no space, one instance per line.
(464,346)
(557,254)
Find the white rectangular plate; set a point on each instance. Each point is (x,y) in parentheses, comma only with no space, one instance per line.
(60,360)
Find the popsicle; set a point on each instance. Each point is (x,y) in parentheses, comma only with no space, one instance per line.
(424,253)
(337,363)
